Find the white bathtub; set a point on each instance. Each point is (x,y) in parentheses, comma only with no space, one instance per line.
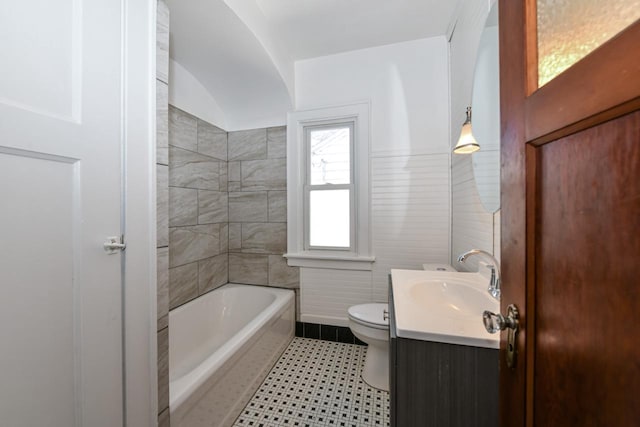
(221,347)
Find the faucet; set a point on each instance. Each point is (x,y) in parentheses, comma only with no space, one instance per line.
(494,283)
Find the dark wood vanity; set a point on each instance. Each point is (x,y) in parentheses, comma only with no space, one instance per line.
(435,384)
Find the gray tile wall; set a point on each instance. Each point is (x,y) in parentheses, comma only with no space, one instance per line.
(162,197)
(198,207)
(258,209)
(227,208)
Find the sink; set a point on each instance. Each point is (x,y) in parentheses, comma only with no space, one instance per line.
(450,298)
(443,306)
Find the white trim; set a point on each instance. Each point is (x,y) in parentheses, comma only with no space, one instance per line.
(296,176)
(325,320)
(336,261)
(139,48)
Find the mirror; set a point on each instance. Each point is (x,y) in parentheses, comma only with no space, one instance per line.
(485,122)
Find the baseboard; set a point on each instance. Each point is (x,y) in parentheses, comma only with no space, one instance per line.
(327,333)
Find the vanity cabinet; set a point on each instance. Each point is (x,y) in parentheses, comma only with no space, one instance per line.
(435,384)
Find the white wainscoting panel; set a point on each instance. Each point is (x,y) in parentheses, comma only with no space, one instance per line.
(326,294)
(410,205)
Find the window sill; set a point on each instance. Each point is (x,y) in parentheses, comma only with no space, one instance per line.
(364,263)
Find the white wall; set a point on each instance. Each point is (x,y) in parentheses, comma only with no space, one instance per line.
(472,226)
(188,94)
(407,84)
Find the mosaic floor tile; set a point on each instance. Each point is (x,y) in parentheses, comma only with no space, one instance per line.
(317,383)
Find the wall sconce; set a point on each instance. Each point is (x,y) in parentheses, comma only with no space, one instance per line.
(467,144)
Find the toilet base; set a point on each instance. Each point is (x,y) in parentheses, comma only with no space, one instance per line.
(376,366)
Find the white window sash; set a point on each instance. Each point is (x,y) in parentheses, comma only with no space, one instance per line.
(308,187)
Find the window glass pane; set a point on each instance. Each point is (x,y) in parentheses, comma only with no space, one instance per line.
(568,30)
(329,218)
(330,155)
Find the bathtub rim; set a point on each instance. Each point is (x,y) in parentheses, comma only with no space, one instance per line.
(182,388)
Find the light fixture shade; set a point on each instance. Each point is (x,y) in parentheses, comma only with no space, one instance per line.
(467,144)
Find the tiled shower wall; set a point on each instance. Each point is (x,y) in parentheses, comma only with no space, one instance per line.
(258,209)
(227,208)
(198,216)
(162,196)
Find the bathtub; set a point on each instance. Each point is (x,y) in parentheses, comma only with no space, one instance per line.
(221,347)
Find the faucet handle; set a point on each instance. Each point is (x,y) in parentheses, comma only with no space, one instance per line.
(494,283)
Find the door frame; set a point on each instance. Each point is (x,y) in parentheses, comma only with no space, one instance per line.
(532,117)
(138,131)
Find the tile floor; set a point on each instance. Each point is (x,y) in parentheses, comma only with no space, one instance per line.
(317,383)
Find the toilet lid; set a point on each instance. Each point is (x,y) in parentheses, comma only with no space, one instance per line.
(371,314)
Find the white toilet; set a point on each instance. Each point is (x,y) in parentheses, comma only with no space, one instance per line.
(370,323)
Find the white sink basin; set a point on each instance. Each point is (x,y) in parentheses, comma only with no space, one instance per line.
(443,306)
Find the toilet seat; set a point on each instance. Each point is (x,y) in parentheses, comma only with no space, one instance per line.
(370,315)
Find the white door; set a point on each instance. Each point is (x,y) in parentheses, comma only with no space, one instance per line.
(60,190)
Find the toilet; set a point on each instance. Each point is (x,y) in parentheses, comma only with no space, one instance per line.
(370,324)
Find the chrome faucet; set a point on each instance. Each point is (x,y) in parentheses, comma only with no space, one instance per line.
(494,283)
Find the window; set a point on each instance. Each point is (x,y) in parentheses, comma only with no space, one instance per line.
(328,188)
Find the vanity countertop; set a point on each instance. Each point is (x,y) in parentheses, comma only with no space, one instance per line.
(443,307)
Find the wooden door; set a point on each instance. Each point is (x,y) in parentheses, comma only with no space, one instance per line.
(570,230)
(60,197)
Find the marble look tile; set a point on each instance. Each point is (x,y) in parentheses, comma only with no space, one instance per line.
(163,369)
(213,207)
(163,321)
(235,171)
(213,273)
(183,129)
(277,206)
(163,287)
(162,205)
(223,178)
(248,206)
(189,244)
(258,175)
(224,238)
(234,186)
(277,142)
(212,140)
(249,268)
(162,41)
(192,170)
(280,274)
(162,123)
(264,238)
(183,284)
(183,206)
(248,144)
(235,237)
(164,419)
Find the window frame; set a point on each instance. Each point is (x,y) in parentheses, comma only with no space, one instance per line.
(359,256)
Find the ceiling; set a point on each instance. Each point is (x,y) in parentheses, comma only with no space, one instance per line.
(243,51)
(211,42)
(312,28)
